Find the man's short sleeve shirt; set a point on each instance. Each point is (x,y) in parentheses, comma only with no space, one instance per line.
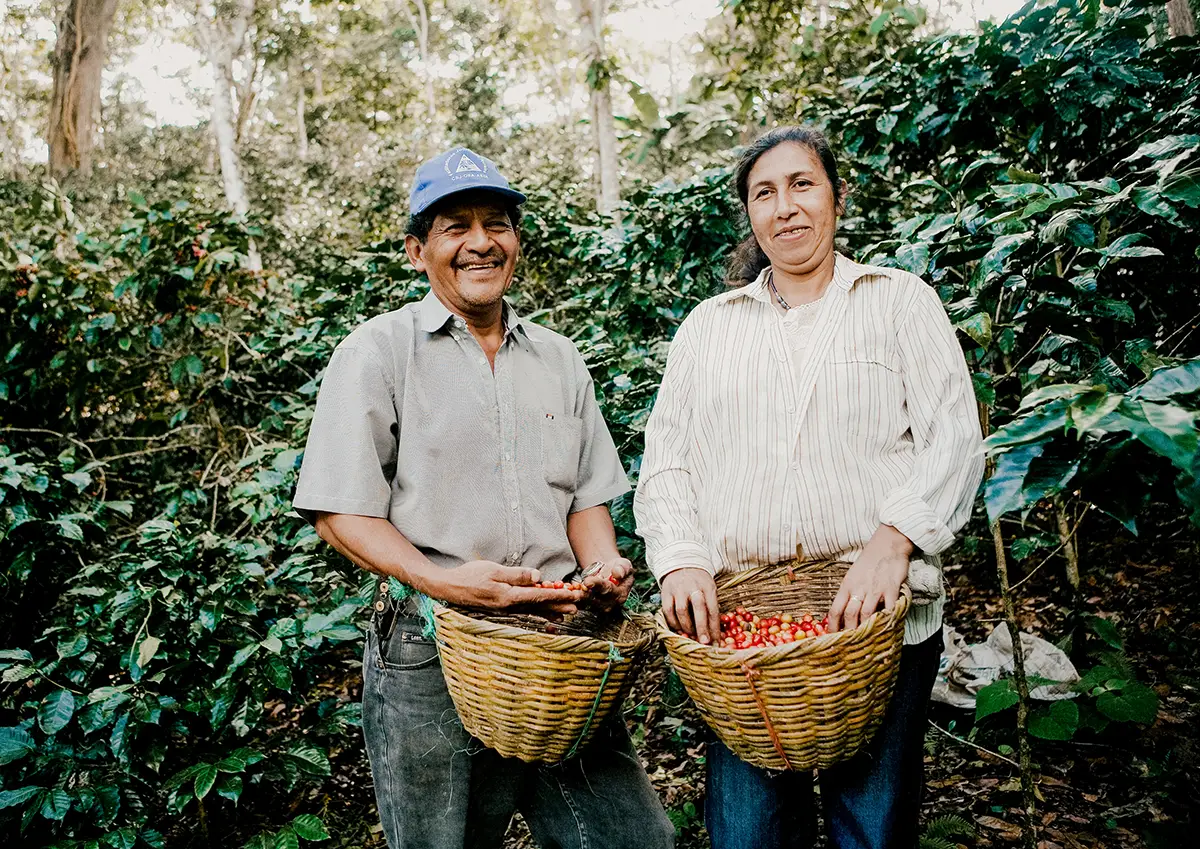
(412,425)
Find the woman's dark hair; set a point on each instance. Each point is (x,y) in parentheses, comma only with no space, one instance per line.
(748,260)
(420,224)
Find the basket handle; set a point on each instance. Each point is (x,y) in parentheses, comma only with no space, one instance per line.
(752,675)
(614,656)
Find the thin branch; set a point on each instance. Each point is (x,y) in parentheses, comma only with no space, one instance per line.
(958,739)
(1061,545)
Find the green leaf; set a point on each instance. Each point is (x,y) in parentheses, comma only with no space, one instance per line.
(72,646)
(309,758)
(1183,187)
(914,258)
(230,787)
(206,777)
(56,711)
(1044,420)
(1070,227)
(186,368)
(1165,383)
(1126,247)
(68,529)
(81,480)
(125,508)
(125,838)
(995,697)
(1059,722)
(55,804)
(12,798)
(1107,631)
(877,26)
(1090,408)
(1018,175)
(1133,703)
(1164,147)
(147,650)
(1004,490)
(287,839)
(310,827)
(978,327)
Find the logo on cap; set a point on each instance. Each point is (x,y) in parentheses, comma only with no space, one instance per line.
(466,166)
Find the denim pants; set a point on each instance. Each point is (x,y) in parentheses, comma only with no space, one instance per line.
(871,801)
(439,788)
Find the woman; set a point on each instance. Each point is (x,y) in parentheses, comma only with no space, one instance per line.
(824,406)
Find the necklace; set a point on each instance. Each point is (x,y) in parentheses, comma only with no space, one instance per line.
(778,297)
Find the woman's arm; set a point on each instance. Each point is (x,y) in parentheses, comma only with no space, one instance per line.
(666,505)
(926,511)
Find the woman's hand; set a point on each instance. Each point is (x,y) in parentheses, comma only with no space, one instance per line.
(873,580)
(689,603)
(610,586)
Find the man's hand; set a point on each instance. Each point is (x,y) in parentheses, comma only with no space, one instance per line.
(873,580)
(482,583)
(610,586)
(689,603)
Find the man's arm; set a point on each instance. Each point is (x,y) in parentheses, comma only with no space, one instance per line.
(593,538)
(376,545)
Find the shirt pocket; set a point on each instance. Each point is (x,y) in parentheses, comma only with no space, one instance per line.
(561,438)
(865,397)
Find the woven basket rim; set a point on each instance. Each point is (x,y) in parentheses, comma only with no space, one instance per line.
(564,643)
(880,620)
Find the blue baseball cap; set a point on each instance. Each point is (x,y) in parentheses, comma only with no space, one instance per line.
(457,170)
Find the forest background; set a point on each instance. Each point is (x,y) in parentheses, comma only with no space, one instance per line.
(179,652)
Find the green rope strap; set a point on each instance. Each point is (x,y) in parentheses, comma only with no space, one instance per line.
(399,592)
(614,656)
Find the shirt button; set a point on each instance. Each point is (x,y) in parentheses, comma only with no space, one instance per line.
(379,605)
(513,505)
(383,587)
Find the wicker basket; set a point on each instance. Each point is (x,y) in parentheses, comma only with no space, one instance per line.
(804,705)
(535,695)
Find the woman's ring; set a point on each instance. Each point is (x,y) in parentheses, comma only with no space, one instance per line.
(856,598)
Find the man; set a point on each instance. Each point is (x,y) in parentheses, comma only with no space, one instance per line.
(459,448)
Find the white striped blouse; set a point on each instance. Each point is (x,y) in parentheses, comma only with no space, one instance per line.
(757,446)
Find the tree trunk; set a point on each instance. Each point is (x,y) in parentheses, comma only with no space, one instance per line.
(78,62)
(297,79)
(1024,752)
(420,24)
(1067,537)
(591,20)
(606,150)
(223,38)
(226,134)
(1180,20)
(247,98)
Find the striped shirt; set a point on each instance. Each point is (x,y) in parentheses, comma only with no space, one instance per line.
(762,443)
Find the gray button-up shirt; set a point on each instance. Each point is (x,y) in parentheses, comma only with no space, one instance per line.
(413,426)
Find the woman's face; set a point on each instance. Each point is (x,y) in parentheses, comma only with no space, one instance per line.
(793,208)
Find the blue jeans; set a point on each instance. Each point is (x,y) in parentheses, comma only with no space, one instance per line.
(438,787)
(871,801)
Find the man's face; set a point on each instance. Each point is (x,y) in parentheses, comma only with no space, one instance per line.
(470,252)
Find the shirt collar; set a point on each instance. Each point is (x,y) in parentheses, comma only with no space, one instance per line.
(846,272)
(433,316)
